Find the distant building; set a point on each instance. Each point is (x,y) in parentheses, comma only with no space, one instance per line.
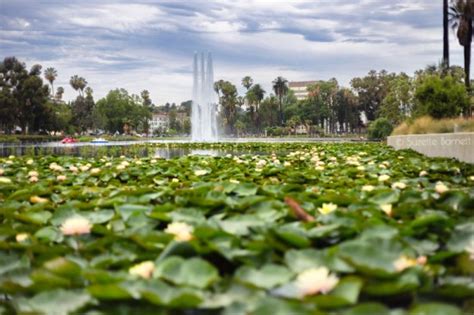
(159,121)
(300,88)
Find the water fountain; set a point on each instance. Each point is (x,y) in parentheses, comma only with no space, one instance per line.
(204,107)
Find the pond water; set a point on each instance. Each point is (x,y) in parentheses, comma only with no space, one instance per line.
(138,148)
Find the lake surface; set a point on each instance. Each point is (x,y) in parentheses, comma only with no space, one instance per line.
(139,148)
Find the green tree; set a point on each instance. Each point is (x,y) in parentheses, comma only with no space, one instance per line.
(78,83)
(24,96)
(398,103)
(280,87)
(460,16)
(50,75)
(440,97)
(380,129)
(247,82)
(227,93)
(119,109)
(82,110)
(59,93)
(371,91)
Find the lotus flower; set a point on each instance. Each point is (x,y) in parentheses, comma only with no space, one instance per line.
(37,199)
(387,208)
(441,188)
(76,226)
(21,237)
(182,231)
(144,269)
(200,172)
(61,178)
(327,208)
(399,185)
(316,280)
(383,177)
(368,188)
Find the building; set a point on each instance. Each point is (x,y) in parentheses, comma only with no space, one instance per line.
(159,121)
(300,88)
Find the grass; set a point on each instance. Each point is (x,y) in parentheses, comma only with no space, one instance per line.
(427,124)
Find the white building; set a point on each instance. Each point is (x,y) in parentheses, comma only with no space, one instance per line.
(300,88)
(159,121)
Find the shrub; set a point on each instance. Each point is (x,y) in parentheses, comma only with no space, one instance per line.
(426,124)
(380,129)
(441,98)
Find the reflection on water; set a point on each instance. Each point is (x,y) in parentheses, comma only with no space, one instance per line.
(115,150)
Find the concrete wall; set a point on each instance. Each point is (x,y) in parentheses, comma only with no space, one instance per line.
(453,145)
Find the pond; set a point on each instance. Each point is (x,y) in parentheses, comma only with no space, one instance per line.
(148,148)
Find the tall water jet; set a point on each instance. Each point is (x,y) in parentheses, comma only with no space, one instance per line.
(204,107)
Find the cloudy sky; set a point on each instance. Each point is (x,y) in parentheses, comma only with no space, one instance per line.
(149,44)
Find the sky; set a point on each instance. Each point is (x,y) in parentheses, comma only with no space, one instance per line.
(149,44)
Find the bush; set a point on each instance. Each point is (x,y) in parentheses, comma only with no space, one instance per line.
(441,98)
(380,129)
(426,124)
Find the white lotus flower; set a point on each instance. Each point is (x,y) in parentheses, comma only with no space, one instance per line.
(327,208)
(234,181)
(144,269)
(316,280)
(84,168)
(11,157)
(471,178)
(383,166)
(33,179)
(182,231)
(29,162)
(10,162)
(61,178)
(2,171)
(404,262)
(361,168)
(261,163)
(76,225)
(138,162)
(441,188)
(108,164)
(319,168)
(200,172)
(387,208)
(33,173)
(175,180)
(21,237)
(383,178)
(37,199)
(423,173)
(399,185)
(368,188)
(120,167)
(5,180)
(95,171)
(153,161)
(286,164)
(72,168)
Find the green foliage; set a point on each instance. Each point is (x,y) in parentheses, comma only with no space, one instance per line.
(380,129)
(441,97)
(119,109)
(247,247)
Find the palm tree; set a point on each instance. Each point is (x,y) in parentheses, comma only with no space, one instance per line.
(247,82)
(445,35)
(51,74)
(255,96)
(59,93)
(78,83)
(460,17)
(280,86)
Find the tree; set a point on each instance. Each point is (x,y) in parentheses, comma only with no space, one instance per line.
(247,82)
(380,129)
(398,103)
(51,74)
(440,97)
(280,87)
(445,34)
(227,93)
(371,91)
(254,97)
(59,93)
(82,110)
(119,109)
(78,83)
(460,17)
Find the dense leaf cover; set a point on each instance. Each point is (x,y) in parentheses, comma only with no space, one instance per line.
(384,231)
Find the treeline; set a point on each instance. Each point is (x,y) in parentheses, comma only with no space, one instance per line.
(30,104)
(332,108)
